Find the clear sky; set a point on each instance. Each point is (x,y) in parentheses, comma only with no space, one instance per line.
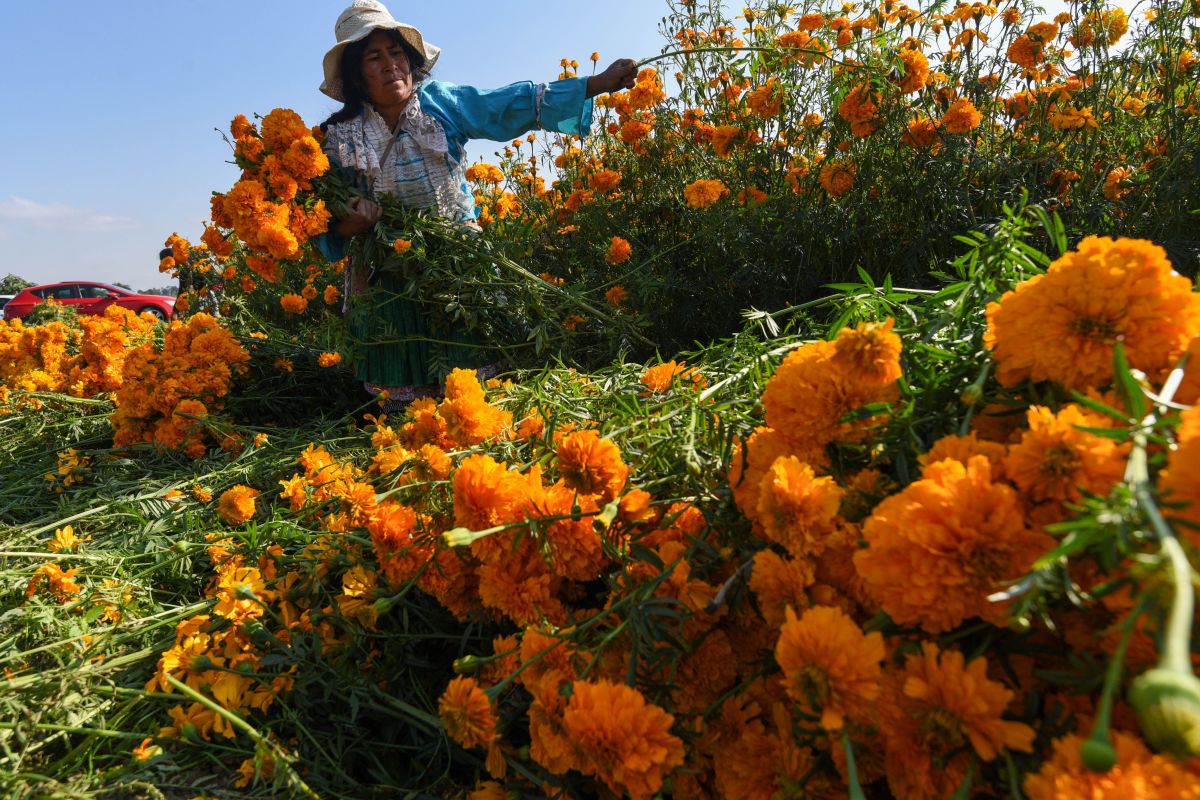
(110,142)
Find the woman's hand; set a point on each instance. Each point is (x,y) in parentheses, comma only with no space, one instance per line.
(619,75)
(362,216)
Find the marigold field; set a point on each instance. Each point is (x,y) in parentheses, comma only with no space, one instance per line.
(849,447)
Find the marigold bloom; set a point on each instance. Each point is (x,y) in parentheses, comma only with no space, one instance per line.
(941,706)
(623,740)
(1137,775)
(1062,326)
(920,134)
(830,667)
(961,117)
(859,108)
(616,296)
(962,448)
(486,493)
(1055,461)
(871,351)
(592,465)
(467,713)
(938,548)
(1114,188)
(293,303)
(329,359)
(766,101)
(797,509)
(401,246)
(660,377)
(837,176)
(619,251)
(916,71)
(604,180)
(779,583)
(704,193)
(60,582)
(236,505)
(1070,118)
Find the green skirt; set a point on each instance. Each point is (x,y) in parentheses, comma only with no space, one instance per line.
(396,344)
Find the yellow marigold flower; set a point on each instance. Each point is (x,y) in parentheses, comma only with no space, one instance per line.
(938,548)
(944,706)
(293,303)
(797,509)
(766,101)
(329,359)
(961,117)
(1062,326)
(241,593)
(830,667)
(202,494)
(592,465)
(837,176)
(621,739)
(619,251)
(467,713)
(1137,775)
(1070,118)
(283,364)
(704,193)
(236,505)
(1055,461)
(63,541)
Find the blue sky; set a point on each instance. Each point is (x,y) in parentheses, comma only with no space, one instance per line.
(110,143)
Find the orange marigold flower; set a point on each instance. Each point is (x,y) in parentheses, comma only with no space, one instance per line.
(1062,326)
(1055,461)
(831,668)
(920,134)
(779,584)
(1179,483)
(60,582)
(942,706)
(623,740)
(961,117)
(236,505)
(616,296)
(859,107)
(331,294)
(329,359)
(619,251)
(604,180)
(1137,775)
(938,548)
(467,713)
(871,351)
(797,509)
(766,101)
(837,176)
(293,303)
(401,245)
(592,465)
(1114,183)
(704,193)
(916,71)
(961,448)
(486,493)
(660,377)
(1070,118)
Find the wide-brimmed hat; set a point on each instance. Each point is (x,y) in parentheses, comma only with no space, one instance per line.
(357,22)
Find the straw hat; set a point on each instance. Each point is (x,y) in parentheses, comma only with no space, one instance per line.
(360,20)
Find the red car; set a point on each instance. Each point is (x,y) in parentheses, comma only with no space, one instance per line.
(89,298)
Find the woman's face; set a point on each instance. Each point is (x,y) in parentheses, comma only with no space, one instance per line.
(386,71)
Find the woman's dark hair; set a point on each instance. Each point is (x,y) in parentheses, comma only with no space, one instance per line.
(354,88)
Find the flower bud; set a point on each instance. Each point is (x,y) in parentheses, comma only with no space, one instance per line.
(1167,703)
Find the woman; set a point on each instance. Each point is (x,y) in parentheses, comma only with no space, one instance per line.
(407,135)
